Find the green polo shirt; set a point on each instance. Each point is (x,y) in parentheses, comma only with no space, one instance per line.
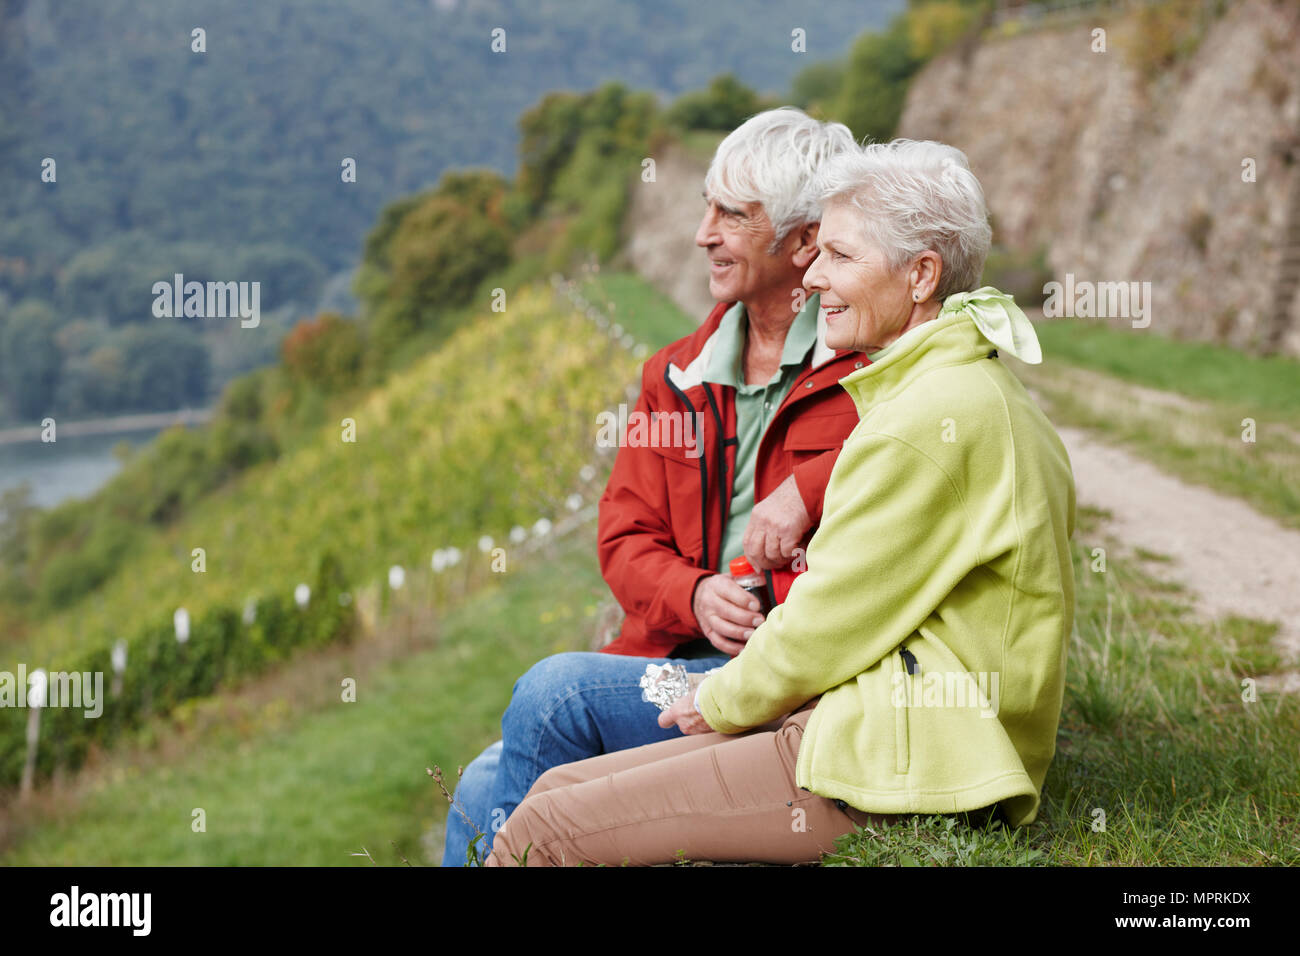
(756,405)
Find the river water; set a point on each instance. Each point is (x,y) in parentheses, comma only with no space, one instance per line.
(72,467)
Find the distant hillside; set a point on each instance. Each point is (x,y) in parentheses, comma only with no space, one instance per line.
(226,164)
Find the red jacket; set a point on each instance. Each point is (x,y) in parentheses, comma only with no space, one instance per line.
(662,513)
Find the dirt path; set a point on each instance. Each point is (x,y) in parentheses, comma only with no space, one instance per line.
(1231,559)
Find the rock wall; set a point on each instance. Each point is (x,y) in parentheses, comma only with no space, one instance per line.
(1127,179)
(659,230)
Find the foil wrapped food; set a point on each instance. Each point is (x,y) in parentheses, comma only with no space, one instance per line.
(663,684)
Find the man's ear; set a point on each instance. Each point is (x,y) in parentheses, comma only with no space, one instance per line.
(805,245)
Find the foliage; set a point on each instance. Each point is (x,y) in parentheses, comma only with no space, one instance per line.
(229,167)
(934,26)
(427,254)
(817,86)
(29,362)
(16,515)
(164,367)
(589,195)
(723,105)
(880,66)
(325,351)
(473,438)
(548,133)
(1164,34)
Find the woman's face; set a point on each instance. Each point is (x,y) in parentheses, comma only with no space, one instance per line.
(867,305)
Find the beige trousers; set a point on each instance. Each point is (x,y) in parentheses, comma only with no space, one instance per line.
(711,796)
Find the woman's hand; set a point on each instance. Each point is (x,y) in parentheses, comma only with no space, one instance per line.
(682,712)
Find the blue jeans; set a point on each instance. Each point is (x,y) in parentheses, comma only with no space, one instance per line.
(567,707)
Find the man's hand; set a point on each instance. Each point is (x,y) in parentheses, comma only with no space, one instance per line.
(682,712)
(776,526)
(726,612)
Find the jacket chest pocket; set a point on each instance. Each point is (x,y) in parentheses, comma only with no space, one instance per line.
(813,435)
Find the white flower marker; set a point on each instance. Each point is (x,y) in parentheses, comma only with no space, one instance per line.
(181,622)
(117,657)
(37,682)
(301,595)
(396,577)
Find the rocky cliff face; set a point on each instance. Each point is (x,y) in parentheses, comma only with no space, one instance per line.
(659,238)
(1130,174)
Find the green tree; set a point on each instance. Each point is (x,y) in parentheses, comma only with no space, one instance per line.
(286,274)
(166,367)
(29,359)
(880,65)
(325,351)
(815,87)
(427,257)
(16,516)
(547,135)
(724,105)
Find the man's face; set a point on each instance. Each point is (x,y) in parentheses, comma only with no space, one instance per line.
(737,239)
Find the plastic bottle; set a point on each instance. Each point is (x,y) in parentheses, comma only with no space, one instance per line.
(753,582)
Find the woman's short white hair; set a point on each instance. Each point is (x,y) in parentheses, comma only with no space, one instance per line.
(773,158)
(915,195)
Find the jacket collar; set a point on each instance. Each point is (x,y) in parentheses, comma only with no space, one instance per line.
(950,339)
(693,374)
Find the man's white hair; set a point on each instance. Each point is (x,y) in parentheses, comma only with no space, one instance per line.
(772,158)
(915,195)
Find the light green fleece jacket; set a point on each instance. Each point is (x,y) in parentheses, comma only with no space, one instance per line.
(945,532)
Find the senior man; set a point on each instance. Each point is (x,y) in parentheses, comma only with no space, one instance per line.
(761,382)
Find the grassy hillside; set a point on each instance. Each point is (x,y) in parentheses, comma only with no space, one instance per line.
(483,438)
(296,776)
(1154,734)
(487,433)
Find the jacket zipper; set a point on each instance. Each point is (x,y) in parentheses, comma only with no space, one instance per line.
(724,499)
(704,470)
(902,728)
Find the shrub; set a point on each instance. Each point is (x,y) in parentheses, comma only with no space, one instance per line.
(325,351)
(724,105)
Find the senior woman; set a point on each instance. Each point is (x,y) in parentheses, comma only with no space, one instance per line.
(918,665)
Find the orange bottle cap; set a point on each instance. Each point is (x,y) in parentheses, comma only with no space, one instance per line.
(741,567)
